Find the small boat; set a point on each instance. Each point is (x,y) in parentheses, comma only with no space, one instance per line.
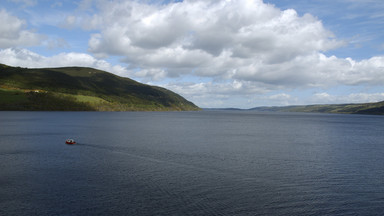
(70,141)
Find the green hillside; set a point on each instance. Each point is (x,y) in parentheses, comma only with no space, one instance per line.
(363,108)
(79,88)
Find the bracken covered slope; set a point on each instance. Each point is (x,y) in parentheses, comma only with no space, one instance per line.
(79,88)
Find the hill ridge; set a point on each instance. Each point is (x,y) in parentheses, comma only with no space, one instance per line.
(375,108)
(89,88)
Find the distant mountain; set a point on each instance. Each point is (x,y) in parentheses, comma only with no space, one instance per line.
(362,108)
(80,88)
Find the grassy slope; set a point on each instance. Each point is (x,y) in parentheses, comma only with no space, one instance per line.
(82,89)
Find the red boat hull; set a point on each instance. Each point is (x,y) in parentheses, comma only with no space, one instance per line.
(70,143)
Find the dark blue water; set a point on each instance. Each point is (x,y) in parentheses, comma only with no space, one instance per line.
(191,163)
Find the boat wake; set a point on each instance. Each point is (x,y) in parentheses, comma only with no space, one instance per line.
(133,153)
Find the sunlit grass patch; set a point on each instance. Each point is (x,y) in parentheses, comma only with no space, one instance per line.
(89,99)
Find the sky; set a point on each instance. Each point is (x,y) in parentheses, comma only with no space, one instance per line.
(215,53)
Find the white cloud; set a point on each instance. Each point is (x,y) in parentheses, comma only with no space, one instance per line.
(323,96)
(26,58)
(231,40)
(246,47)
(326,98)
(218,94)
(193,34)
(13,32)
(280,99)
(281,96)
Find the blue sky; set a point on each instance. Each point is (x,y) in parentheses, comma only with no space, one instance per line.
(216,53)
(359,22)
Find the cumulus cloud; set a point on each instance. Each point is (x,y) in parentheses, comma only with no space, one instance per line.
(13,32)
(247,47)
(238,40)
(26,58)
(218,94)
(192,34)
(324,98)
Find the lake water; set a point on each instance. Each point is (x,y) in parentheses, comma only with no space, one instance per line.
(191,163)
